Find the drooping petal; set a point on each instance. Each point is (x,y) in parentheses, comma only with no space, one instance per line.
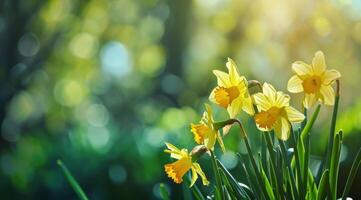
(194,176)
(176,170)
(302,69)
(220,141)
(309,100)
(210,139)
(235,107)
(248,104)
(282,100)
(222,78)
(282,128)
(174,151)
(294,85)
(262,101)
(198,169)
(270,92)
(209,113)
(328,95)
(294,115)
(318,63)
(330,76)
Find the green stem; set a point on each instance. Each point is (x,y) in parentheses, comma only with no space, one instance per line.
(74,184)
(298,164)
(269,142)
(217,175)
(355,165)
(288,161)
(333,126)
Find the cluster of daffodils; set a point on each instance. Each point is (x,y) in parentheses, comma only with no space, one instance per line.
(269,108)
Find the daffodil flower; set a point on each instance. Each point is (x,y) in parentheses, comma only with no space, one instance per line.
(232,91)
(275,113)
(204,132)
(184,163)
(314,80)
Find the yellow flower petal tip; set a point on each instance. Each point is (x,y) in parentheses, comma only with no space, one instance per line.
(314,80)
(184,163)
(232,91)
(275,113)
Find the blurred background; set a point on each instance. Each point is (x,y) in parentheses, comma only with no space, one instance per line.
(102,84)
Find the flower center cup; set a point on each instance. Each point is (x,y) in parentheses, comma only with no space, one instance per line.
(312,84)
(225,96)
(266,119)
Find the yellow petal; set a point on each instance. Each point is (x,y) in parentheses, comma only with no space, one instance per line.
(282,100)
(328,95)
(235,107)
(220,141)
(318,63)
(248,104)
(194,176)
(309,100)
(262,102)
(330,76)
(209,114)
(176,170)
(294,85)
(233,72)
(294,115)
(198,169)
(210,139)
(222,78)
(199,131)
(270,92)
(282,128)
(301,68)
(174,151)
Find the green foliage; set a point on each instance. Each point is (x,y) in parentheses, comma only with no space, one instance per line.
(279,174)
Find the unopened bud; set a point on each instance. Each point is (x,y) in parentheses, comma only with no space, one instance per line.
(198,151)
(254,86)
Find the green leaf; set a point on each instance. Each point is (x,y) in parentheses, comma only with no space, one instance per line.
(332,132)
(334,164)
(240,192)
(217,175)
(73,183)
(355,166)
(323,187)
(163,192)
(194,189)
(267,185)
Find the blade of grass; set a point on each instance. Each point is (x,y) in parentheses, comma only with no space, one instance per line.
(288,163)
(355,166)
(217,175)
(73,183)
(323,186)
(197,194)
(233,181)
(305,166)
(332,128)
(334,164)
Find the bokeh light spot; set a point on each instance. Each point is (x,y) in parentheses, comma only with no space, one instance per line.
(98,137)
(229,159)
(172,84)
(83,45)
(115,59)
(97,115)
(117,174)
(28,45)
(69,92)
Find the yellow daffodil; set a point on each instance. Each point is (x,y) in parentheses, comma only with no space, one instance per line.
(232,91)
(275,113)
(184,163)
(314,80)
(204,132)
